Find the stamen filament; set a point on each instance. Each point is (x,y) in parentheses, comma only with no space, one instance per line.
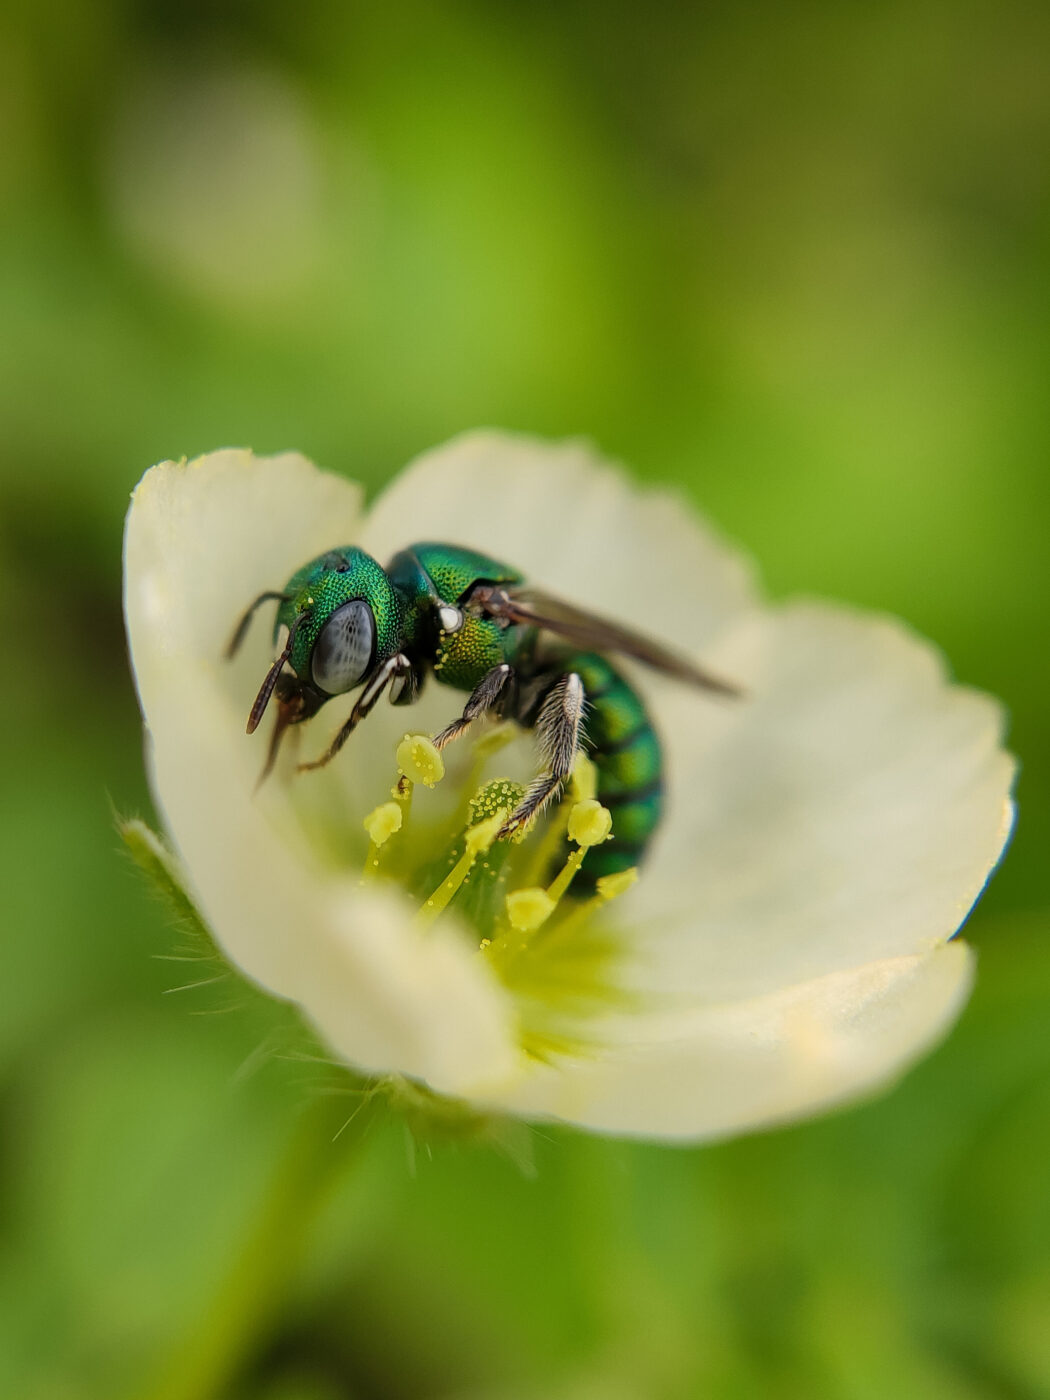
(608,888)
(478,840)
(589,824)
(439,901)
(557,888)
(546,951)
(584,785)
(418,761)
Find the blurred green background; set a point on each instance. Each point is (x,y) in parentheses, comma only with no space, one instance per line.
(793,259)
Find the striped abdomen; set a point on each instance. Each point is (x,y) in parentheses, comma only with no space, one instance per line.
(619,737)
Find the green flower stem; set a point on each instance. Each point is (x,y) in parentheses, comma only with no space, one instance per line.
(205,1364)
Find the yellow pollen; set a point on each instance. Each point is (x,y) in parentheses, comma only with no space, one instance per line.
(419,760)
(589,823)
(537,941)
(490,743)
(500,795)
(528,909)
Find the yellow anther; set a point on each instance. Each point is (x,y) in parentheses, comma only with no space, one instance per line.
(528,909)
(584,778)
(589,823)
(480,837)
(419,760)
(382,822)
(612,886)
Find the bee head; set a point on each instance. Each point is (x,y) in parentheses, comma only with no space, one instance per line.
(339,619)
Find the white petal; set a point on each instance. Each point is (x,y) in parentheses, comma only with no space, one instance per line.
(202,539)
(574,526)
(722,1069)
(848,810)
(827,833)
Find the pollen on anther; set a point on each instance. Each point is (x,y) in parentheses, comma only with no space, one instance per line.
(419,760)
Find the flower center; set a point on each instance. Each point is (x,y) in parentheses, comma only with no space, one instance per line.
(514,892)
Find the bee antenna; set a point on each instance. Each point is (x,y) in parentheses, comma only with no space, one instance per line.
(275,743)
(242,626)
(266,689)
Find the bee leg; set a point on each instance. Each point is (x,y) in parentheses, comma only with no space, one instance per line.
(390,670)
(558,728)
(487,693)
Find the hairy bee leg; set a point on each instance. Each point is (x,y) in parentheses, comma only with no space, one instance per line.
(390,670)
(485,694)
(558,727)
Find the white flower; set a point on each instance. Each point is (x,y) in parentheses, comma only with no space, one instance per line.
(787,945)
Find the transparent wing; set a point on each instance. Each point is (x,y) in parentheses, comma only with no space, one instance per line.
(531,607)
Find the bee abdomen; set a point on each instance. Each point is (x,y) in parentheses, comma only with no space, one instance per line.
(620,739)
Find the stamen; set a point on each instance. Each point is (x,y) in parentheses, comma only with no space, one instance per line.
(478,839)
(419,761)
(557,961)
(583,785)
(589,824)
(528,909)
(381,823)
(607,888)
(490,743)
(502,794)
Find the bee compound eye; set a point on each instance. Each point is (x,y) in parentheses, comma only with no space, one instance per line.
(342,654)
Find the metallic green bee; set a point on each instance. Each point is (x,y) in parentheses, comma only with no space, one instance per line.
(521,654)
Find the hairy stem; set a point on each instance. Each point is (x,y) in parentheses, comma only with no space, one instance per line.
(249,1297)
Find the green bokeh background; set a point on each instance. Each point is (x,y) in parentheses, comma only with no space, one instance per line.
(794,260)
